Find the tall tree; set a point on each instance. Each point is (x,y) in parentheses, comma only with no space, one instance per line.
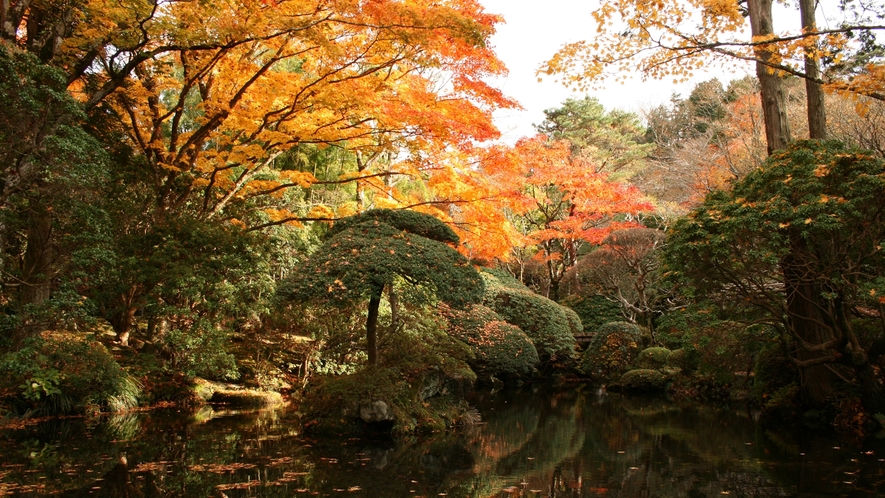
(674,39)
(560,200)
(611,141)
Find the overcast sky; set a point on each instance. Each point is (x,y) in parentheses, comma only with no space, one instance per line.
(533,32)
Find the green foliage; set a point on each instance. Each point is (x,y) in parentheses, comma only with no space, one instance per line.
(357,261)
(500,349)
(407,221)
(200,352)
(644,380)
(685,359)
(574,320)
(614,347)
(776,381)
(593,310)
(813,219)
(653,358)
(61,372)
(422,383)
(610,138)
(543,321)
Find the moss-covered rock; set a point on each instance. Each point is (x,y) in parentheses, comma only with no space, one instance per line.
(381,399)
(500,349)
(643,380)
(614,347)
(653,358)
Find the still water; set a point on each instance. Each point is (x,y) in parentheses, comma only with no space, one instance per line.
(537,442)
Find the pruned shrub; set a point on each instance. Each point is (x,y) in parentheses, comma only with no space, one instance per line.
(594,311)
(644,380)
(542,320)
(612,350)
(58,373)
(500,349)
(653,358)
(574,321)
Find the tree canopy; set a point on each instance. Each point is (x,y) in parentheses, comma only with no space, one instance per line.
(799,241)
(373,249)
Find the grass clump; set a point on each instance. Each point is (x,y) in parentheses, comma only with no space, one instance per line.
(58,373)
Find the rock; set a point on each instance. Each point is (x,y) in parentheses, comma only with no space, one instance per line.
(376,412)
(431,385)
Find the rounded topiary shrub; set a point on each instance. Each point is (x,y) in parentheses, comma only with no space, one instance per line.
(58,373)
(612,350)
(500,349)
(542,320)
(643,380)
(574,321)
(653,358)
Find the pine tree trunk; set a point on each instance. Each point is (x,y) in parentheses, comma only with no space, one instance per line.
(817,116)
(777,129)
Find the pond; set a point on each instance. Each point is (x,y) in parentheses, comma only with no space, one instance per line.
(535,442)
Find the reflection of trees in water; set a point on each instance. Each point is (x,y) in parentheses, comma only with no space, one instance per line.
(651,447)
(566,444)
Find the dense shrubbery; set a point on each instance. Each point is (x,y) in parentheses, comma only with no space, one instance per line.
(500,349)
(421,382)
(653,358)
(612,350)
(62,372)
(544,321)
(643,380)
(594,311)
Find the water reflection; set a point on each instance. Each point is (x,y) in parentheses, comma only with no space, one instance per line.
(532,443)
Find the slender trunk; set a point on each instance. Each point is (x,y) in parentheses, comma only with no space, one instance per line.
(394,307)
(372,326)
(817,116)
(777,130)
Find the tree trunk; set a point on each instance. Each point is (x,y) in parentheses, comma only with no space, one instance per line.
(817,116)
(806,317)
(38,256)
(372,326)
(777,129)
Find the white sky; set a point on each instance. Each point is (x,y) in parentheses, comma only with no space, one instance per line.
(532,33)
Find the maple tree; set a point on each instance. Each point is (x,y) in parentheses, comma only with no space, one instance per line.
(212,99)
(674,39)
(559,200)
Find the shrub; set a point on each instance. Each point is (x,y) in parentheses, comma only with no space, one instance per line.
(542,320)
(775,381)
(594,311)
(653,358)
(643,379)
(500,349)
(200,351)
(574,321)
(685,359)
(612,350)
(61,373)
